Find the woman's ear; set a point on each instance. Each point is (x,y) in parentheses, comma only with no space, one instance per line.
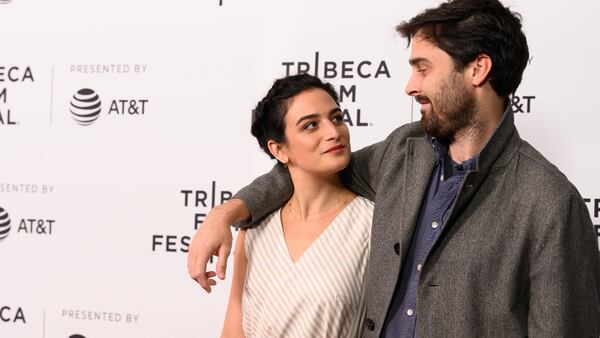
(279,151)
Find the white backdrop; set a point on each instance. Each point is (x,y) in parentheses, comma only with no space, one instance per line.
(99,216)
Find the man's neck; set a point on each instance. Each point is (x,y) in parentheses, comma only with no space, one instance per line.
(470,141)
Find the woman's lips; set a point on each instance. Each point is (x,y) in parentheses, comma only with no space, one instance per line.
(335,149)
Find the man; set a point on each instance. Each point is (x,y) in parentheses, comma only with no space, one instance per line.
(475,234)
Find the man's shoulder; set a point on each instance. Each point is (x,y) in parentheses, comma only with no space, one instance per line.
(395,144)
(538,173)
(398,137)
(411,129)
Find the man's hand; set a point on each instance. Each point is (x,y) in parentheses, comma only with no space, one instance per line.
(214,239)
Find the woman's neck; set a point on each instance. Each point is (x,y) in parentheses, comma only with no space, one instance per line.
(317,197)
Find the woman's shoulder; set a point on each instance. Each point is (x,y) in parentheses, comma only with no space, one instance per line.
(358,214)
(364,203)
(268,222)
(262,232)
(361,210)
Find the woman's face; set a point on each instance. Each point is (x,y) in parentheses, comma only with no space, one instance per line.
(317,138)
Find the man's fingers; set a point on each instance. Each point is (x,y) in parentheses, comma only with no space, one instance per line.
(192,256)
(191,260)
(207,288)
(198,271)
(213,238)
(209,281)
(222,261)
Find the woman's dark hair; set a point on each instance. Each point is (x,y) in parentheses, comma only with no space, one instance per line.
(268,116)
(467,28)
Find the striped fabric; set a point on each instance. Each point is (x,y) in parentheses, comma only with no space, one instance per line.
(319,295)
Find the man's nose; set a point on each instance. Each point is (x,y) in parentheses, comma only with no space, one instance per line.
(412,87)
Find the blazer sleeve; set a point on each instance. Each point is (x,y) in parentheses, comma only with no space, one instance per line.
(265,194)
(565,274)
(270,191)
(363,172)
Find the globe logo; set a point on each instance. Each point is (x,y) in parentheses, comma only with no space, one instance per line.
(85,107)
(4,224)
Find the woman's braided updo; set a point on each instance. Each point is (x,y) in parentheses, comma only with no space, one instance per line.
(268,115)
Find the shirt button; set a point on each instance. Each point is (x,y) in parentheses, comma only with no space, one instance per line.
(419,267)
(434,224)
(397,249)
(410,312)
(370,324)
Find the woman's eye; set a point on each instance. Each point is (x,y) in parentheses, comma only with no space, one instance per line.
(310,125)
(338,119)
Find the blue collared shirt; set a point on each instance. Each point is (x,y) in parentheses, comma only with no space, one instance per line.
(444,184)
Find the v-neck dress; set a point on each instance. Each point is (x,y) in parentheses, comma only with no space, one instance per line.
(319,295)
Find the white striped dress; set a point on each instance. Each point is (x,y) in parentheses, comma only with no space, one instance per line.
(319,295)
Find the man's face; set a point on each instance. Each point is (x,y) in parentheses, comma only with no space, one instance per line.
(447,101)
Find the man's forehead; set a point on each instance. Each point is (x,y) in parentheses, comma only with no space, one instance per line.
(423,49)
(420,43)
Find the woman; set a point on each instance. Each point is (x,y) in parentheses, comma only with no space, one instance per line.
(301,271)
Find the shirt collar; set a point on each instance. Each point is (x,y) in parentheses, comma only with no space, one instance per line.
(439,147)
(441,150)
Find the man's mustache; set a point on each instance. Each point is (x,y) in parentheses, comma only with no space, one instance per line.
(422,99)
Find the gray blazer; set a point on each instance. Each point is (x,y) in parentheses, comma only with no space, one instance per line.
(517,257)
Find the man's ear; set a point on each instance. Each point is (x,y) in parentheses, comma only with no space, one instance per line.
(480,70)
(279,151)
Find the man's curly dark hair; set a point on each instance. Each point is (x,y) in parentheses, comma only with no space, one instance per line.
(465,29)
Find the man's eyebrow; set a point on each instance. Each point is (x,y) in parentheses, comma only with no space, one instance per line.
(310,116)
(415,61)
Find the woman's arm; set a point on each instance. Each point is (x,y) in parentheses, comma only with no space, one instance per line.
(232,328)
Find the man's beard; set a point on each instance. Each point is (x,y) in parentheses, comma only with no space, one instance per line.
(455,109)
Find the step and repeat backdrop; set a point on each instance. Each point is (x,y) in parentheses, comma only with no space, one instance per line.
(122,123)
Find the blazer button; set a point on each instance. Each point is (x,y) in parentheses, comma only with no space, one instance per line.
(370,324)
(397,249)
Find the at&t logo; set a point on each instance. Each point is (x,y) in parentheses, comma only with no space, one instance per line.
(522,104)
(26,226)
(4,224)
(86,107)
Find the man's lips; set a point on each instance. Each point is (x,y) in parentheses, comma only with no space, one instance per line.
(334,148)
(422,100)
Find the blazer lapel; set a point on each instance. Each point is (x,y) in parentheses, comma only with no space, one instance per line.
(420,161)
